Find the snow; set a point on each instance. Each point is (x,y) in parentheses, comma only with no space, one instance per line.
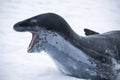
(17,64)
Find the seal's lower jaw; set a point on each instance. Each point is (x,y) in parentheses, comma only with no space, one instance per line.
(34,37)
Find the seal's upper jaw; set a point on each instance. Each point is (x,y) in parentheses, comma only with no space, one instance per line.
(26,25)
(19,28)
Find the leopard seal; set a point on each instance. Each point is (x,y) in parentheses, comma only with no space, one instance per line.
(92,57)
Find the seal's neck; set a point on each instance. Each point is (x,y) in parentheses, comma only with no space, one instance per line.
(60,41)
(75,39)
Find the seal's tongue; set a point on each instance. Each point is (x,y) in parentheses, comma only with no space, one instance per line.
(32,41)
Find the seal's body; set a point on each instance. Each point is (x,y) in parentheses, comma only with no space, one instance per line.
(92,57)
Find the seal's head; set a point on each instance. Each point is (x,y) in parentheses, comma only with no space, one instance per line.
(42,26)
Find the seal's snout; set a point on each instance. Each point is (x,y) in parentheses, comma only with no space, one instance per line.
(17,27)
(20,26)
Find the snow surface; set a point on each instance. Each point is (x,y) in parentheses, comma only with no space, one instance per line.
(17,64)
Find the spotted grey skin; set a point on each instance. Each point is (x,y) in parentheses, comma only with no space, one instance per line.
(94,57)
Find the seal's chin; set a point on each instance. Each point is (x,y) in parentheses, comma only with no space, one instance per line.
(34,37)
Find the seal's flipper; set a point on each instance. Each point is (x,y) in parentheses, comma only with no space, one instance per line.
(89,32)
(103,58)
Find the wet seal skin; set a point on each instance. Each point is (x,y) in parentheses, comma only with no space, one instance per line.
(95,56)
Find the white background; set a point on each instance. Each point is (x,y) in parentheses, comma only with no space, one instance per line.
(17,64)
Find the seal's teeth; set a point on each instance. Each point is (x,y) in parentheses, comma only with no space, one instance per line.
(34,35)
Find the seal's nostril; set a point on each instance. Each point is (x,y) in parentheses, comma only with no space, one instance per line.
(17,27)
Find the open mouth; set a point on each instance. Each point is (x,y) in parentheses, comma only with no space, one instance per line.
(34,36)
